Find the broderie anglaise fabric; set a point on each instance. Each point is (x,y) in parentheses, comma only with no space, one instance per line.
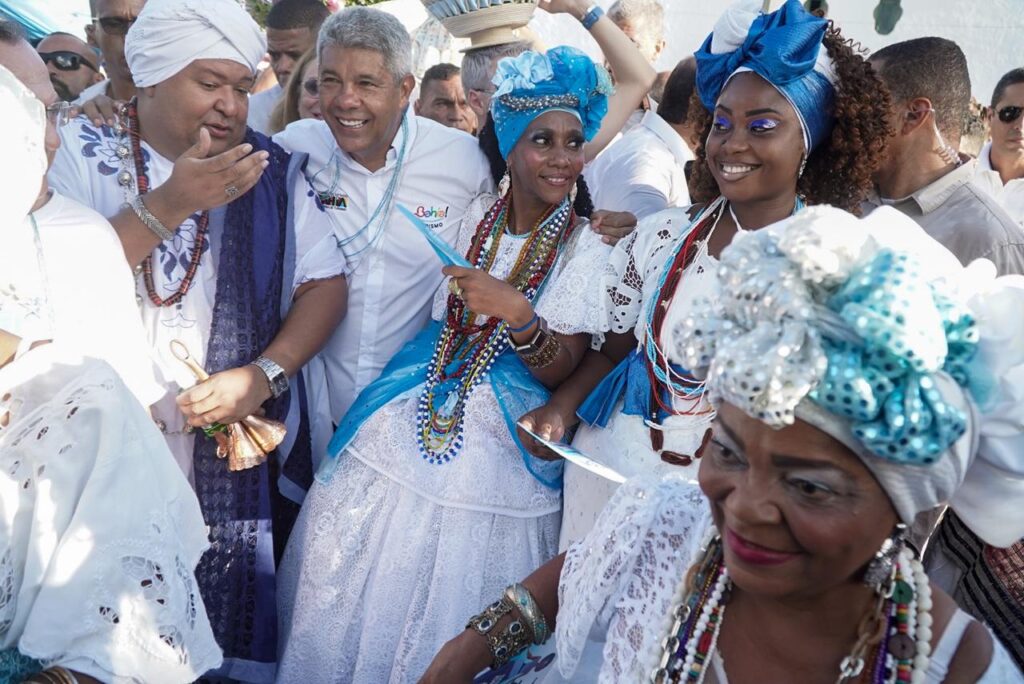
(620,580)
(100,533)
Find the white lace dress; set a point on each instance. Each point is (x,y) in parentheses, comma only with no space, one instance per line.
(99,530)
(632,279)
(618,585)
(391,557)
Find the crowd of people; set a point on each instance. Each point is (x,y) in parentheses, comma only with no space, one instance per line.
(322,364)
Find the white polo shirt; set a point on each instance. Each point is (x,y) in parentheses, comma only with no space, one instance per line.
(1010,196)
(390,285)
(643,172)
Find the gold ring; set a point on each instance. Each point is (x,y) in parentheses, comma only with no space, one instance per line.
(453,287)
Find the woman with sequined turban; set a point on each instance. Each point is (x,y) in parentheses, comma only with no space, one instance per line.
(426,504)
(790,115)
(857,371)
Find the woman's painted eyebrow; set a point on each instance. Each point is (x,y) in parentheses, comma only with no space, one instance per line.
(782,460)
(752,112)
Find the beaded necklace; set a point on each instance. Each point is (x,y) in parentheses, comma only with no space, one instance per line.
(466,349)
(141,183)
(902,618)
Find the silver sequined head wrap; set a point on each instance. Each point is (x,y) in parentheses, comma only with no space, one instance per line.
(861,328)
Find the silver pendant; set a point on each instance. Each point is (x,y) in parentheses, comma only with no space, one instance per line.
(123,151)
(124,178)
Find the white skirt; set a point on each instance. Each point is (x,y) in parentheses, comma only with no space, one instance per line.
(377,577)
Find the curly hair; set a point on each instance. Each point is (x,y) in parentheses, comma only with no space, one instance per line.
(838,171)
(584,205)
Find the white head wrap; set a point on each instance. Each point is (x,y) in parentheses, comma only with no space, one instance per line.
(171,34)
(908,314)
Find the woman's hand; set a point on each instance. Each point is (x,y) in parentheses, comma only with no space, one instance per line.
(486,295)
(550,422)
(576,8)
(459,660)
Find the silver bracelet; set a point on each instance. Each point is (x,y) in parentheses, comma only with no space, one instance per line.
(521,597)
(150,221)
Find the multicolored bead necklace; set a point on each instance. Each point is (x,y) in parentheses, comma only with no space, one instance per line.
(466,350)
(902,616)
(141,182)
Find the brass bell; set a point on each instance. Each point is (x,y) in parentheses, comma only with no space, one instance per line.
(245,444)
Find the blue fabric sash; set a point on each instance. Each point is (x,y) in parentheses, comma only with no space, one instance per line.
(629,382)
(237,575)
(514,386)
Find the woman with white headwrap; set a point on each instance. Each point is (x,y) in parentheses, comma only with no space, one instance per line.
(790,115)
(851,365)
(99,530)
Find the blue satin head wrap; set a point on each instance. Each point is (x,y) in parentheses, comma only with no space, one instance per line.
(533,83)
(783,48)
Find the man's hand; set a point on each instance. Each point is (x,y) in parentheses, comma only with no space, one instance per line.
(102,110)
(226,397)
(612,225)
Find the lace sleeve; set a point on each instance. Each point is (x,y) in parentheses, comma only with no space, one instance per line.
(571,302)
(633,264)
(619,581)
(475,212)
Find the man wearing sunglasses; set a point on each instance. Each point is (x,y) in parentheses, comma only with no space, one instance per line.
(71,63)
(1001,162)
(110,24)
(923,174)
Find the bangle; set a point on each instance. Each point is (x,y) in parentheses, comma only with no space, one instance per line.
(506,645)
(149,220)
(485,621)
(545,355)
(533,319)
(528,608)
(591,17)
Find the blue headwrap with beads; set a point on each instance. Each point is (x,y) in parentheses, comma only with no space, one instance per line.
(533,83)
(784,48)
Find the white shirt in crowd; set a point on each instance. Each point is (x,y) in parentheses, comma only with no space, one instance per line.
(643,172)
(391,283)
(86,168)
(87,285)
(92,92)
(1010,196)
(261,106)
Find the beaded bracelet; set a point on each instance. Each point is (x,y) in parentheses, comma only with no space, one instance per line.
(512,640)
(591,17)
(485,621)
(528,608)
(545,356)
(516,331)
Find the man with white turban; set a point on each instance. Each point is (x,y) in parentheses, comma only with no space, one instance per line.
(99,530)
(235,259)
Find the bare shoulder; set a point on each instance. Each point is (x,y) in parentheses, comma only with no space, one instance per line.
(973,655)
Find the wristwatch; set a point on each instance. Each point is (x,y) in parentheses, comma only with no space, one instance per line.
(276,377)
(536,342)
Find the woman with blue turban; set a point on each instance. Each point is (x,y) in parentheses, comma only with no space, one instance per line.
(857,370)
(426,504)
(790,114)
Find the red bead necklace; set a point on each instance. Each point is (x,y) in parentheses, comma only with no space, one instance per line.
(142,185)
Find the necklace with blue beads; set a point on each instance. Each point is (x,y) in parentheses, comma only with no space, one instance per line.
(467,349)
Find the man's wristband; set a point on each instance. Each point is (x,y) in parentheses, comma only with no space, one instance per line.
(149,220)
(276,377)
(591,17)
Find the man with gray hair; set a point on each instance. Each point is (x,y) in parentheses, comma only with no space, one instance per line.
(478,67)
(370,154)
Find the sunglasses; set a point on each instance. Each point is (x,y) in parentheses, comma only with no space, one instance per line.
(312,87)
(115,26)
(59,113)
(1009,114)
(67,61)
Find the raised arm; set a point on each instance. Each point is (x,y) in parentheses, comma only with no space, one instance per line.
(634,76)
